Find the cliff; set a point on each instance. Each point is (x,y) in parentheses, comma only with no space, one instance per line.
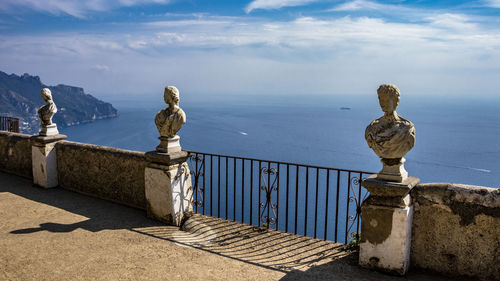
(20,97)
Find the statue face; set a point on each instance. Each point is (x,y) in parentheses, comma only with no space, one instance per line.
(171,97)
(175,97)
(387,103)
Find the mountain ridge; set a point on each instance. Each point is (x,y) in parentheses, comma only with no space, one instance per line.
(20,97)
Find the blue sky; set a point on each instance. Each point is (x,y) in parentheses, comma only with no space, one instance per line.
(134,48)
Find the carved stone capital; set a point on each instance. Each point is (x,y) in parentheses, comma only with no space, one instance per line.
(166,159)
(44,140)
(389,193)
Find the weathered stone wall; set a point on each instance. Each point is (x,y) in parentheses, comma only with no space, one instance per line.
(104,172)
(456,230)
(15,154)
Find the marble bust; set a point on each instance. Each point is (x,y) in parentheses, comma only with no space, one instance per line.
(390,136)
(169,121)
(46,112)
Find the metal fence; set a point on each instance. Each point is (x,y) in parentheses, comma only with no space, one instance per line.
(10,124)
(319,202)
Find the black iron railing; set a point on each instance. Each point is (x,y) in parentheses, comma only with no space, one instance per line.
(319,202)
(10,124)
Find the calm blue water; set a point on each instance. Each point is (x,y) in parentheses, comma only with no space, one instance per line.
(457,141)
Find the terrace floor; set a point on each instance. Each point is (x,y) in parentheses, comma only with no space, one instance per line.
(56,234)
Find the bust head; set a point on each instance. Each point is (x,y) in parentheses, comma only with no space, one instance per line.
(171,95)
(46,94)
(388,97)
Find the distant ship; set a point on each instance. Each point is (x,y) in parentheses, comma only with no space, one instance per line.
(345,108)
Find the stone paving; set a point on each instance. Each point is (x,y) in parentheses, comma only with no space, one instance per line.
(55,234)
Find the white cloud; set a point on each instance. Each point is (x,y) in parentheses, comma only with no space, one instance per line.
(75,8)
(101,67)
(364,5)
(361,5)
(452,21)
(308,32)
(138,44)
(339,55)
(492,3)
(436,18)
(275,4)
(173,23)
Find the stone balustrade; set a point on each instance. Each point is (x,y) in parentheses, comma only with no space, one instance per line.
(105,172)
(456,229)
(15,154)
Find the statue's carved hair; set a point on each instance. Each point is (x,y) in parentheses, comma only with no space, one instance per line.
(46,92)
(171,89)
(390,90)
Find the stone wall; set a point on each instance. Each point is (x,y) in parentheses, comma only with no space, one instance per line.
(104,172)
(15,154)
(456,230)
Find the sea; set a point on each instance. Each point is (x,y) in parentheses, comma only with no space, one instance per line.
(457,139)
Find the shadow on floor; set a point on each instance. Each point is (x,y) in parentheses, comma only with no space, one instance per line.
(101,214)
(265,248)
(300,258)
(268,249)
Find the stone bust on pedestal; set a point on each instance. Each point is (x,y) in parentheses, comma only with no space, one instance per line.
(169,121)
(46,112)
(43,145)
(167,181)
(390,136)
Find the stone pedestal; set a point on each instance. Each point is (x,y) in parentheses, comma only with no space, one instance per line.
(169,145)
(49,130)
(386,217)
(168,186)
(44,160)
(393,170)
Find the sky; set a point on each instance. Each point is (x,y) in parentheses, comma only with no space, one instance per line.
(132,48)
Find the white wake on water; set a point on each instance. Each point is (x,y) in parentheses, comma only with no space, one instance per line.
(480,170)
(454,166)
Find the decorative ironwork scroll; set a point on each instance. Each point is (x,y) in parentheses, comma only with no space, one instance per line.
(354,236)
(197,167)
(270,218)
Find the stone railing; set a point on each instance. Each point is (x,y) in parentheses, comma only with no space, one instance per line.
(109,173)
(15,154)
(105,172)
(456,229)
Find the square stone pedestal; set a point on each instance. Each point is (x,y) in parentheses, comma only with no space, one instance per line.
(168,187)
(386,217)
(169,145)
(44,160)
(49,130)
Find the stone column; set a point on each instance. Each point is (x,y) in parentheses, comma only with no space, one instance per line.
(386,219)
(44,160)
(168,186)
